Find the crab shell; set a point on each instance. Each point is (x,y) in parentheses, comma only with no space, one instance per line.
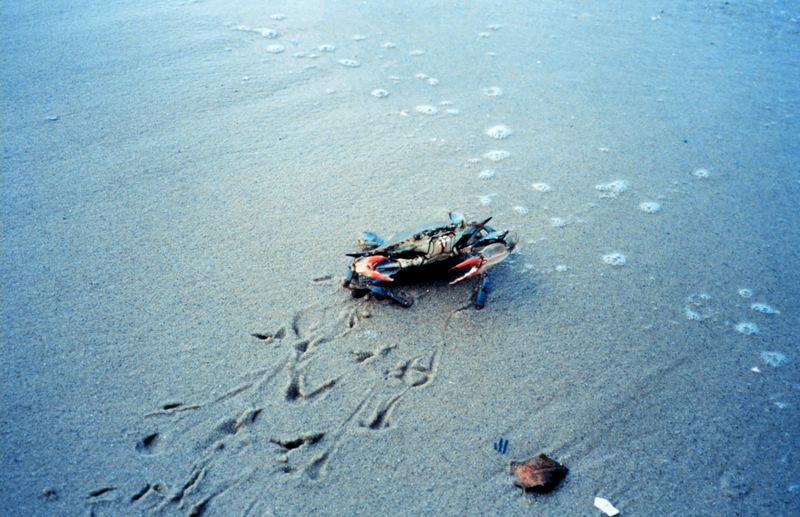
(435,241)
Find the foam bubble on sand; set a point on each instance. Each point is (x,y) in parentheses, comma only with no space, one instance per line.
(327,47)
(699,298)
(352,63)
(520,209)
(267,33)
(499,132)
(745,293)
(612,189)
(388,44)
(701,173)
(650,207)
(426,110)
(453,111)
(493,91)
(747,328)
(416,52)
(557,222)
(359,37)
(698,307)
(542,187)
(485,200)
(484,35)
(692,315)
(485,175)
(275,49)
(497,155)
(774,359)
(763,308)
(278,16)
(421,77)
(380,93)
(615,259)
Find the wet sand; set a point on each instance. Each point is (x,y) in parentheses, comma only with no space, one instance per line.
(174,182)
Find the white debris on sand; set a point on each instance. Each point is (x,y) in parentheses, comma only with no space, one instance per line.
(605,506)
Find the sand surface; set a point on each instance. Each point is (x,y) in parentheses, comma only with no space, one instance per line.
(173,182)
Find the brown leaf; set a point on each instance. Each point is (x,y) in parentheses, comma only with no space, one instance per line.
(540,473)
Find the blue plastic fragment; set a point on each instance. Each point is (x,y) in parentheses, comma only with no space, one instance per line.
(501,445)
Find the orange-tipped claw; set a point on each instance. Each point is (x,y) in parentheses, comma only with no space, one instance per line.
(475,262)
(366,266)
(469,262)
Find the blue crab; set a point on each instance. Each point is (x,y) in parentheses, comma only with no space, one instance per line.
(477,245)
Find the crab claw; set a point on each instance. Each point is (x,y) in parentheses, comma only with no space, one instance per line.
(477,267)
(369,266)
(485,258)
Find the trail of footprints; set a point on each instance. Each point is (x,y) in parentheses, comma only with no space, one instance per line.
(250,442)
(315,360)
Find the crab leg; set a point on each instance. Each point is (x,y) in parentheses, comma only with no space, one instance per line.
(369,240)
(480,294)
(477,231)
(348,277)
(472,235)
(388,293)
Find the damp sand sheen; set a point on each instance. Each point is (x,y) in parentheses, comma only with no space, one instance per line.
(184,181)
